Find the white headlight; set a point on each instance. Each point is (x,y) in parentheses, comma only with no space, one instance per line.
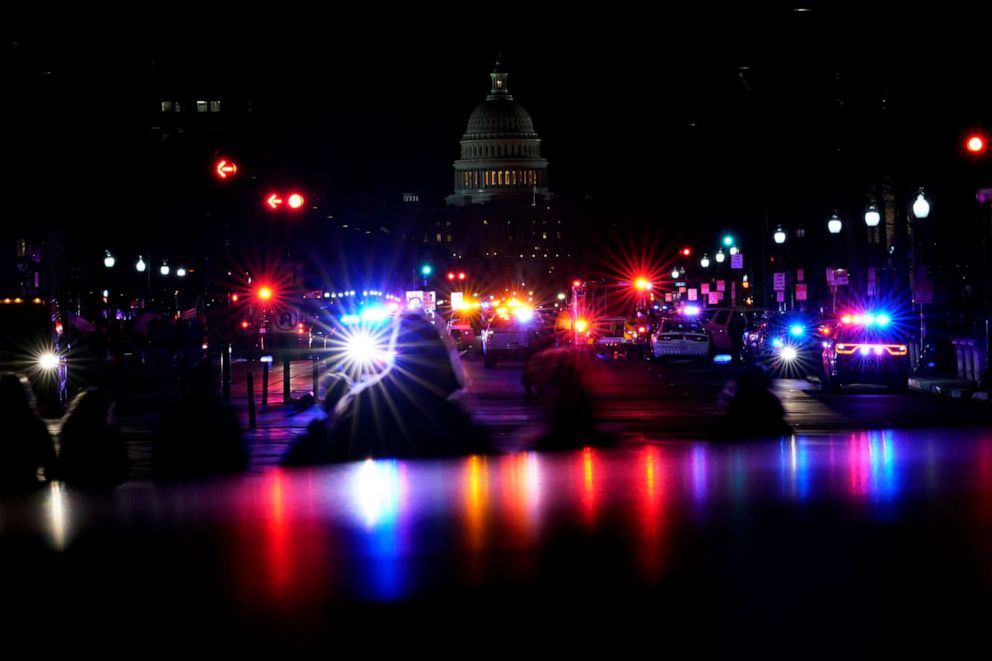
(48,361)
(788,353)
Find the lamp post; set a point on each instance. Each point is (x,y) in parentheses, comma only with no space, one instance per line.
(921,211)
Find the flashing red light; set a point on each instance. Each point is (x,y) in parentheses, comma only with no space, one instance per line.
(274,201)
(295,201)
(576,283)
(976,144)
(265,293)
(225,169)
(641,329)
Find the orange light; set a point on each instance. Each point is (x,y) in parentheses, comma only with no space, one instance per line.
(265,293)
(295,201)
(642,284)
(846,319)
(581,325)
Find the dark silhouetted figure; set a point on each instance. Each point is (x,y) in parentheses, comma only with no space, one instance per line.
(750,408)
(26,448)
(92,453)
(306,449)
(200,435)
(573,411)
(409,410)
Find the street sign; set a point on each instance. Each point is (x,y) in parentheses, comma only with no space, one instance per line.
(693,294)
(737,261)
(800,275)
(704,288)
(457,298)
(779,282)
(780,297)
(286,320)
(668,298)
(721,285)
(715,297)
(800,292)
(415,299)
(836,277)
(429,301)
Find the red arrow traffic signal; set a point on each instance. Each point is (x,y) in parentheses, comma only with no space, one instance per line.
(225,169)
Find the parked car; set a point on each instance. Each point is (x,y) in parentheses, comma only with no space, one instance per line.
(681,337)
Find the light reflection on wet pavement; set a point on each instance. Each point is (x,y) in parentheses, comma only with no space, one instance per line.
(875,525)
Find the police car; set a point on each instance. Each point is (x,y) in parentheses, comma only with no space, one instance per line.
(32,343)
(865,348)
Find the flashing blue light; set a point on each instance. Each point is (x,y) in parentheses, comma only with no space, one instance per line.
(778,343)
(350,319)
(722,358)
(266,359)
(883,319)
(868,319)
(691,310)
(374,313)
(796,330)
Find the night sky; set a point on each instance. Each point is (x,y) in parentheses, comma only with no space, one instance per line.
(687,117)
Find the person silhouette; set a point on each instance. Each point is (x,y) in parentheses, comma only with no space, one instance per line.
(750,408)
(26,448)
(92,453)
(199,436)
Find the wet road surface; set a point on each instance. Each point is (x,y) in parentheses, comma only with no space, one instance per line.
(854,544)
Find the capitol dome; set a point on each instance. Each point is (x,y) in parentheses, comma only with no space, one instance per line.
(500,152)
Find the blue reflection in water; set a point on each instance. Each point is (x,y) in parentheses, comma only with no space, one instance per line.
(884,482)
(378,493)
(699,475)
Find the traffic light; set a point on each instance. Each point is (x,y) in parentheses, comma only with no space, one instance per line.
(686,252)
(225,169)
(976,144)
(426,270)
(451,276)
(461,275)
(728,240)
(295,201)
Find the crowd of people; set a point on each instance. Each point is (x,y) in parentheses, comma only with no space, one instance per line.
(412,408)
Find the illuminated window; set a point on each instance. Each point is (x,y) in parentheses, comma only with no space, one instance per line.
(202,106)
(487,178)
(167,106)
(215,106)
(438,238)
(507,177)
(449,238)
(514,177)
(485,222)
(544,235)
(500,177)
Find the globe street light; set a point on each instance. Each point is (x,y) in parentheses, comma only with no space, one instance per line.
(180,272)
(872,217)
(109,260)
(140,266)
(733,250)
(834,224)
(675,273)
(779,235)
(921,208)
(705,261)
(720,256)
(164,269)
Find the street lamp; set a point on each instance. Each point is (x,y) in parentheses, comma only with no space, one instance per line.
(180,272)
(733,250)
(921,208)
(872,217)
(675,273)
(164,269)
(720,256)
(834,224)
(109,260)
(779,235)
(705,261)
(140,266)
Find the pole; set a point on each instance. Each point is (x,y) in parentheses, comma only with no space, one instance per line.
(286,394)
(316,379)
(265,386)
(225,372)
(252,424)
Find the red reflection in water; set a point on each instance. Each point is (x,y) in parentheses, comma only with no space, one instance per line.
(984,478)
(520,497)
(589,493)
(858,464)
(475,510)
(281,556)
(652,485)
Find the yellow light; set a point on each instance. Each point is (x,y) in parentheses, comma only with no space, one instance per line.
(581,325)
(265,293)
(37,300)
(642,284)
(18,300)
